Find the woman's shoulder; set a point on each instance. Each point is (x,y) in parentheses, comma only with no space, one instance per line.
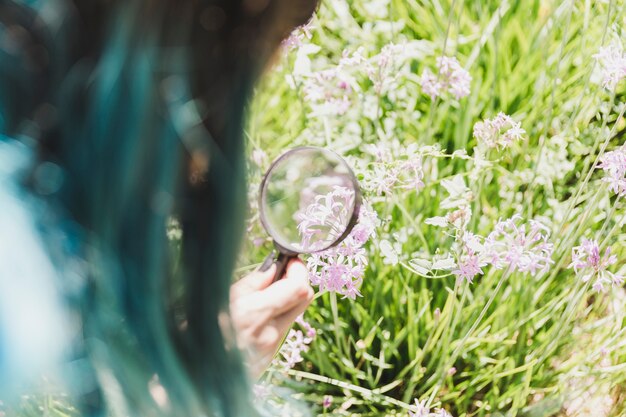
(31,309)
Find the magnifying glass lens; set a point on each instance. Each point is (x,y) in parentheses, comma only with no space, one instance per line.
(308,200)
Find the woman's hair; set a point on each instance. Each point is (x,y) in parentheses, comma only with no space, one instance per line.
(138,106)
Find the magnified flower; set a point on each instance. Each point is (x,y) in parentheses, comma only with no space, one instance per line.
(325,219)
(587,258)
(260,391)
(341,268)
(614,165)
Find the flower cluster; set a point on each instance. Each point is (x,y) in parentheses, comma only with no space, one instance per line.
(518,247)
(297,37)
(614,164)
(393,169)
(381,71)
(329,92)
(325,219)
(587,258)
(420,409)
(308,329)
(498,132)
(341,268)
(332,91)
(450,77)
(296,342)
(471,262)
(523,248)
(612,60)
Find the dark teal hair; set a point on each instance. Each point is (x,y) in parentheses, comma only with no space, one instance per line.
(138,107)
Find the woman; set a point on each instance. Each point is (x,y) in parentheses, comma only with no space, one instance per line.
(115,116)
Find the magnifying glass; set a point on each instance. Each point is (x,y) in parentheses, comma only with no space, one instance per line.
(309,201)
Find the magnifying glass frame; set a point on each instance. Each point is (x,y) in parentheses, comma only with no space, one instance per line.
(281,255)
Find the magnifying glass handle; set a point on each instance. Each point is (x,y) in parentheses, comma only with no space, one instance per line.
(280,259)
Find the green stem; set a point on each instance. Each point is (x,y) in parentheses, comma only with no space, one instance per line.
(609,217)
(458,349)
(561,325)
(593,167)
(367,393)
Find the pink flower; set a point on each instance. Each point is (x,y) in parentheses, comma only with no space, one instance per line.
(587,258)
(472,260)
(382,71)
(297,37)
(389,171)
(341,268)
(431,85)
(292,349)
(260,391)
(328,400)
(451,77)
(296,343)
(310,331)
(469,266)
(329,91)
(498,132)
(419,409)
(324,219)
(524,247)
(614,165)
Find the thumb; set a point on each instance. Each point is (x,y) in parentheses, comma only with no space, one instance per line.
(297,270)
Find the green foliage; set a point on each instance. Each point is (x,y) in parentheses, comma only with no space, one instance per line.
(507,344)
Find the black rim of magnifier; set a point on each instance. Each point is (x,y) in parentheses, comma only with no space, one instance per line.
(355,211)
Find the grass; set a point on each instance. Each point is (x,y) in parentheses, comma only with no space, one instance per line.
(519,345)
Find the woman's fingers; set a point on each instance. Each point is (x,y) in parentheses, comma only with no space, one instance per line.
(284,322)
(287,293)
(269,337)
(256,281)
(263,312)
(252,311)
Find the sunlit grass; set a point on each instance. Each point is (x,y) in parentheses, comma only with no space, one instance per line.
(543,340)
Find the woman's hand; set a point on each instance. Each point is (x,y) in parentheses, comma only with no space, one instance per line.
(263,312)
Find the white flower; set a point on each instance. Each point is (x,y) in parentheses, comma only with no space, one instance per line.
(612,60)
(389,253)
(459,193)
